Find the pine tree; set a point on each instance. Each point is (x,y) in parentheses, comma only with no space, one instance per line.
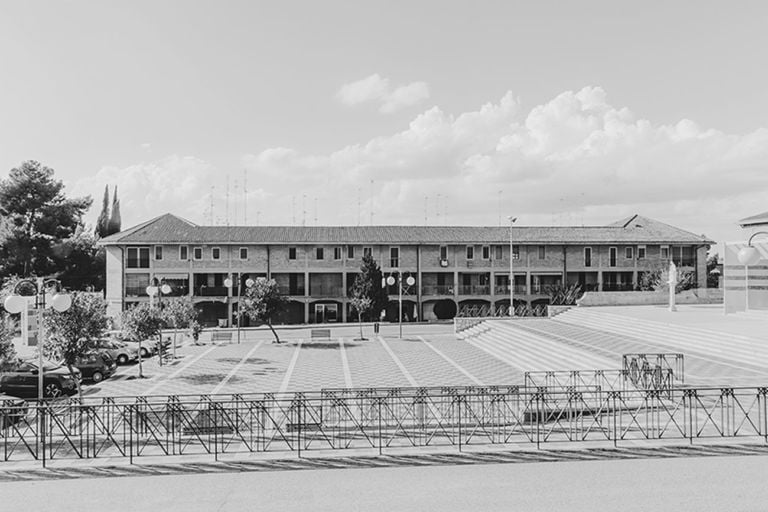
(368,284)
(102,224)
(114,218)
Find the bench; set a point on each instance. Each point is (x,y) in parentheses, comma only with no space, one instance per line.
(320,334)
(221,336)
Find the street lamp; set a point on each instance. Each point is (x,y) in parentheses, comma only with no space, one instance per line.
(390,280)
(747,256)
(159,288)
(511,269)
(228,283)
(16,303)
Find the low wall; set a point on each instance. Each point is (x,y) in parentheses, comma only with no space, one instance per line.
(694,296)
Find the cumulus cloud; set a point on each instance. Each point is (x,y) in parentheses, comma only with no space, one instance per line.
(375,89)
(574,159)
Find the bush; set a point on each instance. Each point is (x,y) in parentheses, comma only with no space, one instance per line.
(445,309)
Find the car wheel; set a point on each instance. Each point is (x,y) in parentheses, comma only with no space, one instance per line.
(144,353)
(122,359)
(52,390)
(97,377)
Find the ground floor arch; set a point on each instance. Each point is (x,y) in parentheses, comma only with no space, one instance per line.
(410,311)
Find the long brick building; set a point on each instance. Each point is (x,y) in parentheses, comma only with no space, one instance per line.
(315,266)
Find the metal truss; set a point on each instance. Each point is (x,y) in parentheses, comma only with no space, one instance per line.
(377,419)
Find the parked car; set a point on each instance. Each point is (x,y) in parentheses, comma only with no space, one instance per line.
(148,347)
(12,410)
(120,351)
(96,365)
(23,380)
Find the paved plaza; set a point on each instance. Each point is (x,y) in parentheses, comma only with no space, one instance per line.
(718,350)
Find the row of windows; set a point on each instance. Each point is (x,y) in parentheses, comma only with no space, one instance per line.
(138,257)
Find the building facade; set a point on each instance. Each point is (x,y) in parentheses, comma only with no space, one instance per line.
(452,266)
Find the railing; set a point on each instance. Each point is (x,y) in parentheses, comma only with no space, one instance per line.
(637,363)
(437,289)
(544,289)
(503,289)
(474,289)
(213,291)
(645,379)
(136,291)
(326,291)
(375,420)
(486,311)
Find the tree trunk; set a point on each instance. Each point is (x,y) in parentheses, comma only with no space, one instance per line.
(269,323)
(360,321)
(141,373)
(77,381)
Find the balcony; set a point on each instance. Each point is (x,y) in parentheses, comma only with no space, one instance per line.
(326,291)
(437,289)
(136,291)
(685,262)
(544,289)
(503,289)
(474,289)
(213,291)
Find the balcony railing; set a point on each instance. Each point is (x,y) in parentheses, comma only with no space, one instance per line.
(474,289)
(437,289)
(503,289)
(213,291)
(684,262)
(136,291)
(326,291)
(544,289)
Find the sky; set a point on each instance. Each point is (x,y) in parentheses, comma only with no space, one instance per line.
(397,112)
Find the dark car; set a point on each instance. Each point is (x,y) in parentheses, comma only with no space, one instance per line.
(23,380)
(96,365)
(12,410)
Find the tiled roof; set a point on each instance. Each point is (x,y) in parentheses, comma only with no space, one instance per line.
(171,229)
(760,218)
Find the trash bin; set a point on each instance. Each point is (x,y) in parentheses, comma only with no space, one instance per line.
(376,328)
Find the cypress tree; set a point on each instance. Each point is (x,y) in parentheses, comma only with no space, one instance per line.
(114,218)
(102,224)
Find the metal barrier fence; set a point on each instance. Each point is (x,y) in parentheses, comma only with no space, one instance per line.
(637,363)
(645,379)
(375,420)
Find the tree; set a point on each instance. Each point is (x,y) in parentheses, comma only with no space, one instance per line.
(359,303)
(37,216)
(8,357)
(713,278)
(71,332)
(102,223)
(368,284)
(114,218)
(82,263)
(142,322)
(179,313)
(263,301)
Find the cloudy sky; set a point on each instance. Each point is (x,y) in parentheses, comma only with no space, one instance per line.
(395,112)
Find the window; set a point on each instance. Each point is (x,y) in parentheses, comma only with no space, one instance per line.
(183,252)
(136,285)
(628,253)
(394,256)
(612,256)
(158,252)
(587,256)
(641,252)
(291,253)
(215,253)
(665,252)
(542,252)
(367,251)
(319,253)
(337,253)
(137,257)
(197,253)
(486,252)
(443,252)
(470,252)
(515,252)
(499,253)
(350,252)
(243,253)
